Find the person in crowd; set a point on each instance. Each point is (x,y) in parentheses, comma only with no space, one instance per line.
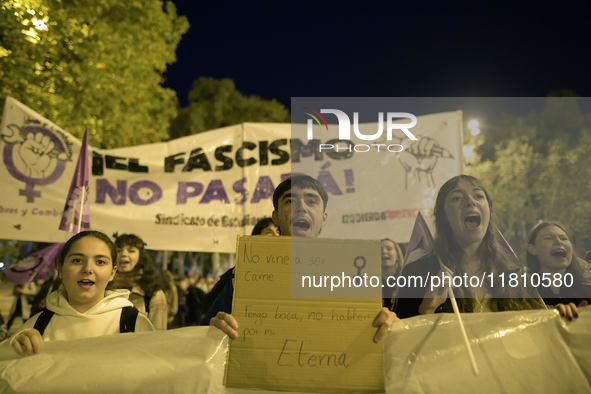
(194,302)
(172,298)
(3,329)
(550,255)
(182,286)
(266,227)
(21,307)
(299,211)
(464,244)
(50,284)
(392,260)
(83,306)
(138,274)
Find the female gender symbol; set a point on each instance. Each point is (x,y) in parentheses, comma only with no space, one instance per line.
(359,267)
(58,154)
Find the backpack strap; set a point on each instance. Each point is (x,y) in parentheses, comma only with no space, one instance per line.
(126,322)
(128,318)
(43,320)
(147,300)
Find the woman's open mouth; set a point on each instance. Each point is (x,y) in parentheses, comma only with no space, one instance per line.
(472,221)
(559,253)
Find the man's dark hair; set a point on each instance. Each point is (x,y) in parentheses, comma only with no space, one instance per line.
(261,225)
(303,182)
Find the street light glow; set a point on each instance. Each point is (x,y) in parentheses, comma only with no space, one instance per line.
(473,126)
(468,152)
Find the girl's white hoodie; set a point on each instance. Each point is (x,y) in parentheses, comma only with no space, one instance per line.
(102,319)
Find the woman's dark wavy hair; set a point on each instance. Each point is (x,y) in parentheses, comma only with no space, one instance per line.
(533,263)
(61,257)
(451,254)
(148,281)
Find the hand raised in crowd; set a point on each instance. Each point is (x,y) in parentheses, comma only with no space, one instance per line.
(434,298)
(384,321)
(28,342)
(225,322)
(569,311)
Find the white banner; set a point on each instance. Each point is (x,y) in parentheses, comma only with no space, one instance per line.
(516,352)
(198,193)
(375,191)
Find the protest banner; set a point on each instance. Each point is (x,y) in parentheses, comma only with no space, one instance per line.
(199,192)
(520,351)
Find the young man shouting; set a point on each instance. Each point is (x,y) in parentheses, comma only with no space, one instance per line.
(300,211)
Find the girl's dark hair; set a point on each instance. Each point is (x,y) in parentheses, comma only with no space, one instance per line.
(148,280)
(493,260)
(61,257)
(446,247)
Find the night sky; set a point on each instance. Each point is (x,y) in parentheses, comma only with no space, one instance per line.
(388,49)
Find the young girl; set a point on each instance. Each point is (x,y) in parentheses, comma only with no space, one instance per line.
(392,259)
(138,274)
(82,307)
(550,255)
(465,246)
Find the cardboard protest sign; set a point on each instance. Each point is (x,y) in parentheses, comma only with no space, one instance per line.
(308,344)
